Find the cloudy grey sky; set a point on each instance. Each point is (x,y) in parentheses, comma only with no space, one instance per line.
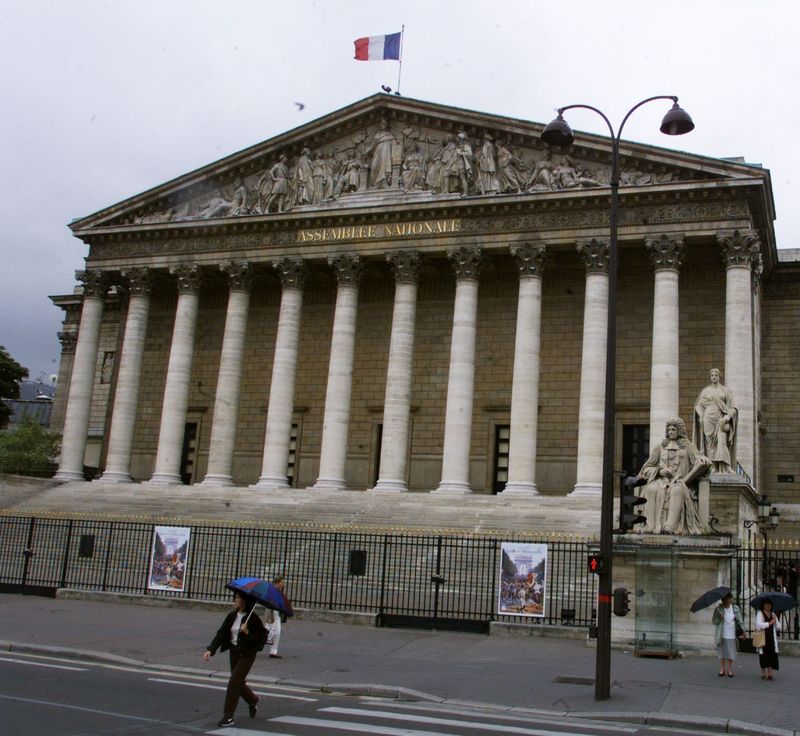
(104,99)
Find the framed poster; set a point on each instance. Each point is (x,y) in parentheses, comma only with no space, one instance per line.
(168,558)
(523,579)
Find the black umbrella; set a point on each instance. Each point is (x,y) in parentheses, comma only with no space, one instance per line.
(780,601)
(710,597)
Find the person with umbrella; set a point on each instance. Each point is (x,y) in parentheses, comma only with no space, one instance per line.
(727,618)
(243,634)
(767,642)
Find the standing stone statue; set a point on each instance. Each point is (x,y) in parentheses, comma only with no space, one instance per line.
(715,418)
(303,180)
(486,174)
(672,472)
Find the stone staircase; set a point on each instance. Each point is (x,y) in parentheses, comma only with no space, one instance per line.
(351,510)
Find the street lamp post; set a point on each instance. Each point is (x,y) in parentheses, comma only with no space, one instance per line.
(768,517)
(558,133)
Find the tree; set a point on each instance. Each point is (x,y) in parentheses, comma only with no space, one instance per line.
(28,449)
(10,373)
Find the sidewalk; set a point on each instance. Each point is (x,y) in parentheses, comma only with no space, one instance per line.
(503,671)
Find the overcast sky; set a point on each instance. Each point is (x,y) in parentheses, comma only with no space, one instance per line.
(102,100)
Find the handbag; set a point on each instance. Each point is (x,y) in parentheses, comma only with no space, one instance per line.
(759,638)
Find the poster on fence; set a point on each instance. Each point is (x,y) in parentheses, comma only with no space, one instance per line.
(523,579)
(168,558)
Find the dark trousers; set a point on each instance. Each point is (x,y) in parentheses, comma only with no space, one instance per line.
(237,687)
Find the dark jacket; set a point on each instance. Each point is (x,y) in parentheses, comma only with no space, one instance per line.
(250,643)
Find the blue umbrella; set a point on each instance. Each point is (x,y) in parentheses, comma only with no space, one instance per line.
(780,601)
(264,592)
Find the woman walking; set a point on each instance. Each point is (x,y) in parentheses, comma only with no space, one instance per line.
(769,623)
(244,635)
(727,617)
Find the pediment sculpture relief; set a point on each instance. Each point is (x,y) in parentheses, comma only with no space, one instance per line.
(407,160)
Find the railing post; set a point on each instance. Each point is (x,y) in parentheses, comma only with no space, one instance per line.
(28,553)
(108,554)
(63,581)
(383,577)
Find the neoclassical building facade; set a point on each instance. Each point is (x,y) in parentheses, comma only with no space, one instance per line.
(402,296)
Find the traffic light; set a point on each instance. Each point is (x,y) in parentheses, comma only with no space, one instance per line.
(622,601)
(628,501)
(597,564)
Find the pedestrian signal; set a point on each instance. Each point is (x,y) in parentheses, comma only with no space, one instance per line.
(622,601)
(597,564)
(629,516)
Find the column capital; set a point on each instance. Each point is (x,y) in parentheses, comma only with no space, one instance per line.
(466,262)
(95,283)
(530,258)
(348,268)
(188,276)
(666,251)
(239,273)
(594,254)
(292,272)
(739,248)
(68,341)
(137,281)
(405,265)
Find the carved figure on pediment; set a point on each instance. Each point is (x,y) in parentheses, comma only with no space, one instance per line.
(319,174)
(511,175)
(486,181)
(380,156)
(542,178)
(273,187)
(331,166)
(433,175)
(302,183)
(631,175)
(570,175)
(413,176)
(410,137)
(349,178)
(219,206)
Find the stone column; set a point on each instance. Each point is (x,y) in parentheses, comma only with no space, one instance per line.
(667,253)
(229,380)
(81,385)
(758,270)
(591,408)
(278,432)
(123,420)
(525,383)
(179,372)
(397,402)
(340,373)
(739,251)
(68,340)
(461,378)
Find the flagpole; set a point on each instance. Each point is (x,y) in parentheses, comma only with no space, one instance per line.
(400,69)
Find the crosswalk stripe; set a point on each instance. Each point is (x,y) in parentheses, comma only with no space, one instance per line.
(224,687)
(327,723)
(504,727)
(541,718)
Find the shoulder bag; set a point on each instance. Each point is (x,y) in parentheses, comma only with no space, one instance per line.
(759,638)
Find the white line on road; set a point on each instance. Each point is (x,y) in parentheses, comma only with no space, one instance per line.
(51,704)
(224,687)
(42,664)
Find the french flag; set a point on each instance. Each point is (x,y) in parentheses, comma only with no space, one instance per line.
(378,48)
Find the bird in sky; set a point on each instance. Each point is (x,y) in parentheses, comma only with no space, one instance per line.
(300,105)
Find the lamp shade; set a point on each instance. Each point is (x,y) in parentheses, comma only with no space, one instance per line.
(557,132)
(676,122)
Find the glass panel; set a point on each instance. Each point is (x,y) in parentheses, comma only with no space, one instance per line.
(654,592)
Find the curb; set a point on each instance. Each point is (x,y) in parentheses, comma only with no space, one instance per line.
(720,725)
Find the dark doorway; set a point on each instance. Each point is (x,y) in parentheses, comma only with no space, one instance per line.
(502,434)
(189,452)
(635,447)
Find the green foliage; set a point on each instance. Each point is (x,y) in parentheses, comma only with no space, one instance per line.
(10,373)
(29,449)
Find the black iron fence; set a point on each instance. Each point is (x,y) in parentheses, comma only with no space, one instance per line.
(406,579)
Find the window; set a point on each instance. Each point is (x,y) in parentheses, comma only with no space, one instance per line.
(635,447)
(291,465)
(189,452)
(502,433)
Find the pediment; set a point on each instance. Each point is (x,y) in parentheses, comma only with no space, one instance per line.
(392,150)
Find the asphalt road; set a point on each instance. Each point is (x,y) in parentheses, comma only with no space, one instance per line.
(42,695)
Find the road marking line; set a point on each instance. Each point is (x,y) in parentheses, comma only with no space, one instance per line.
(324,723)
(42,664)
(51,704)
(224,687)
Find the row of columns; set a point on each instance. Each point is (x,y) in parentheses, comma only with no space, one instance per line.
(739,252)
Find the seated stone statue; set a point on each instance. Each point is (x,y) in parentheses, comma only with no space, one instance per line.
(672,472)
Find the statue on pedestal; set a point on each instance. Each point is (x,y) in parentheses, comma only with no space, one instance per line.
(715,419)
(672,472)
